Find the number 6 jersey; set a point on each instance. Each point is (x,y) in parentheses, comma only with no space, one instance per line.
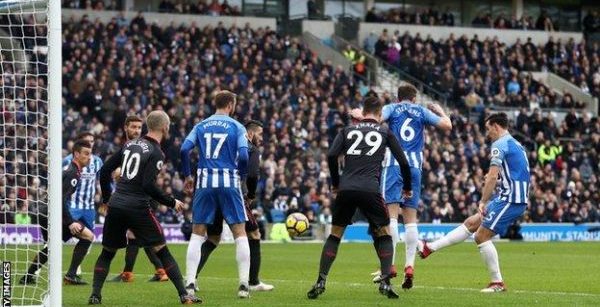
(140,160)
(363,146)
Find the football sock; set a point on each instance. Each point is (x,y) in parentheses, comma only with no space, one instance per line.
(101,270)
(193,257)
(242,255)
(385,251)
(153,258)
(79,253)
(395,236)
(411,241)
(38,261)
(131,253)
(254,261)
(457,235)
(328,256)
(207,248)
(490,257)
(172,269)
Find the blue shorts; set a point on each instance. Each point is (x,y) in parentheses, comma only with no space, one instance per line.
(392,185)
(500,214)
(229,201)
(86,216)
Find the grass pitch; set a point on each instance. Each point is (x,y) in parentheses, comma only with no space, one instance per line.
(543,274)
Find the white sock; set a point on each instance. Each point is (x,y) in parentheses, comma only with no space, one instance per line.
(490,257)
(457,235)
(242,255)
(193,257)
(411,239)
(395,237)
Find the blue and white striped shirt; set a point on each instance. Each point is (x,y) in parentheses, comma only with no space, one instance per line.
(408,121)
(508,154)
(219,139)
(83,197)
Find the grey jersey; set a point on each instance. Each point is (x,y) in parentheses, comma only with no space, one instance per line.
(363,148)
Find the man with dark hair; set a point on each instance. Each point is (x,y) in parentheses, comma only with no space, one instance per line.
(254,134)
(363,147)
(140,160)
(509,164)
(82,205)
(133,130)
(222,166)
(407,120)
(81,154)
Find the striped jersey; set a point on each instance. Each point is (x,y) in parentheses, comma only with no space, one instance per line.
(219,139)
(83,197)
(508,154)
(408,121)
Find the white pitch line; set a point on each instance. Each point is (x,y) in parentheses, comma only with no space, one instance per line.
(357,284)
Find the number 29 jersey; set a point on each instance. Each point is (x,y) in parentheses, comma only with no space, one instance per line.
(363,146)
(408,121)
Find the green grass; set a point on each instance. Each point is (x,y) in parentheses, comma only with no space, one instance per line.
(557,274)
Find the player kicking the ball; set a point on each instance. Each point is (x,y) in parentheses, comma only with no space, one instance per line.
(363,147)
(509,161)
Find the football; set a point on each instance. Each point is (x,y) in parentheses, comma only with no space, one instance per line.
(297,224)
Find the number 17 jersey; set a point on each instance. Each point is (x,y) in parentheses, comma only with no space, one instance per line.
(407,121)
(219,139)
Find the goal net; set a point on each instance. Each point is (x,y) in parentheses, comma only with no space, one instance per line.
(26,177)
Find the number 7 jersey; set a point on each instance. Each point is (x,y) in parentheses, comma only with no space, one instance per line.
(219,139)
(408,121)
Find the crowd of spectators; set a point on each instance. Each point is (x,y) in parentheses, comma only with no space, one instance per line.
(193,7)
(98,5)
(477,72)
(110,71)
(433,17)
(200,7)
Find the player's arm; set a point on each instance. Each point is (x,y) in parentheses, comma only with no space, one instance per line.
(399,155)
(242,144)
(151,171)
(106,171)
(253,173)
(492,176)
(69,182)
(332,159)
(436,116)
(188,145)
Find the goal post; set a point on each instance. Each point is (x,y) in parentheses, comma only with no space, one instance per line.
(30,150)
(55,152)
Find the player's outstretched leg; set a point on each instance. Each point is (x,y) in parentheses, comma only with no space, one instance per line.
(159,274)
(100,272)
(457,235)
(172,269)
(39,260)
(330,249)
